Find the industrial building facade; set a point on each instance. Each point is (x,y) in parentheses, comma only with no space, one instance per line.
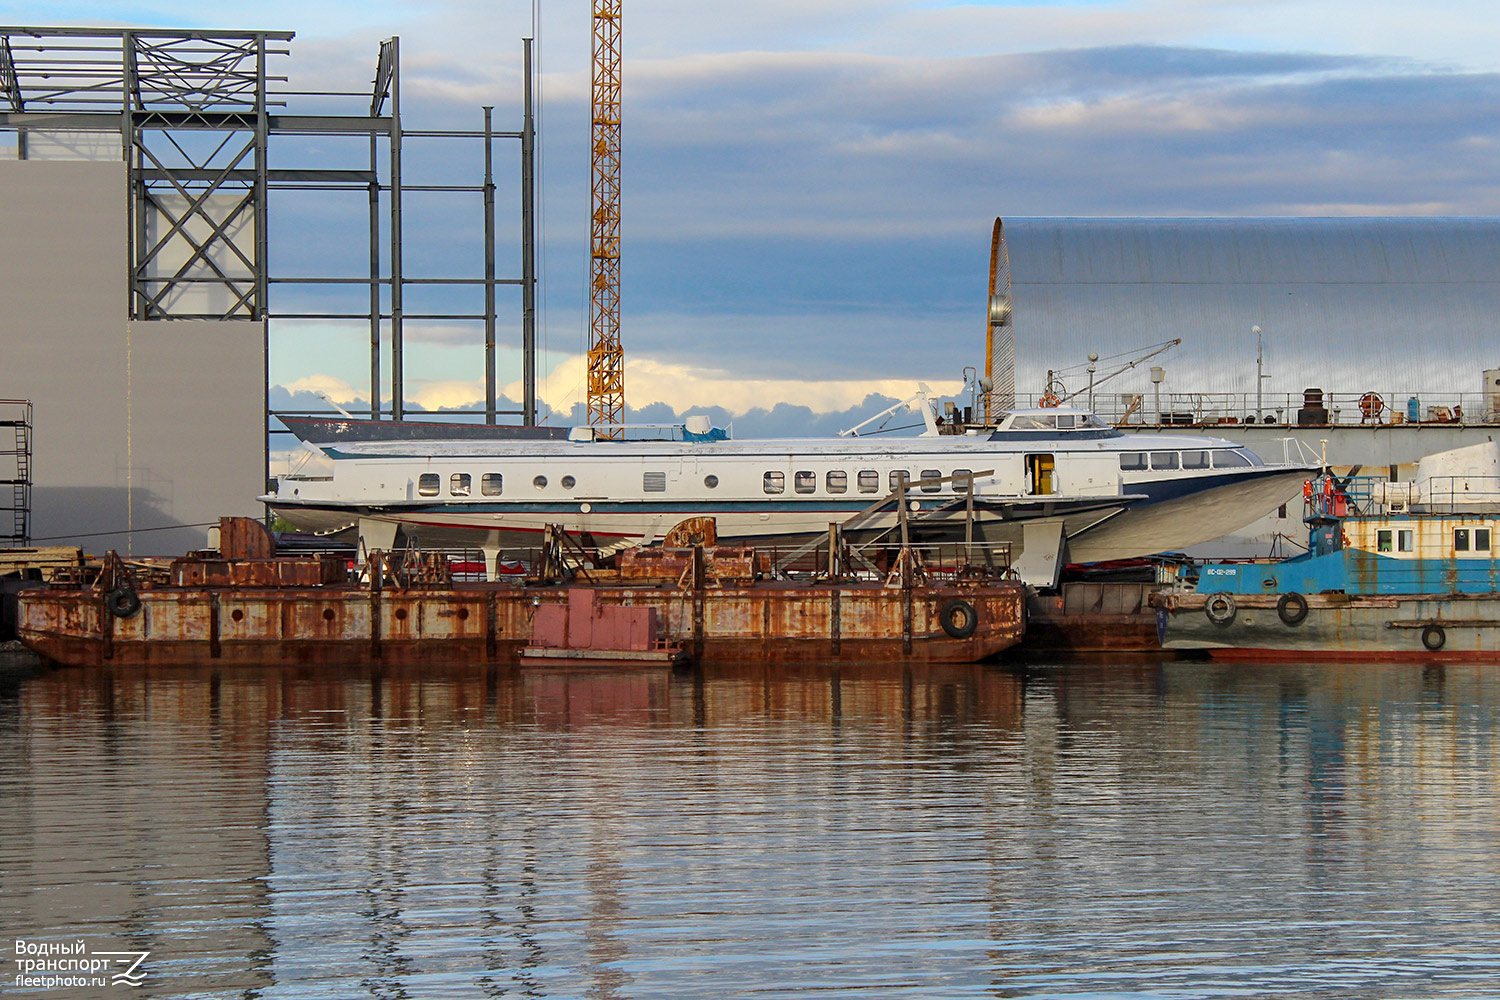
(144,430)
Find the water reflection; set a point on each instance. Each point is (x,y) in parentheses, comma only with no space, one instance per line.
(1144,830)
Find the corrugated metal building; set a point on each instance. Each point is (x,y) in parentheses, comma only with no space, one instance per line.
(1396,305)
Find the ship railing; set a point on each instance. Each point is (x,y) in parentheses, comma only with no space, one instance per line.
(1353,496)
(938,561)
(1459,494)
(1314,408)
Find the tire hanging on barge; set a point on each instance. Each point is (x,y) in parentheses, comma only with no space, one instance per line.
(1434,638)
(1220,608)
(958,618)
(122,602)
(1291,608)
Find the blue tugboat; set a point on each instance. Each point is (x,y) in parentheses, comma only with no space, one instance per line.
(1393,571)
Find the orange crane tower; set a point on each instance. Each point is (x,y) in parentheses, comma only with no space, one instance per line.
(606,377)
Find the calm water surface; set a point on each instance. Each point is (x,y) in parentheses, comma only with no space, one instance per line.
(1162,830)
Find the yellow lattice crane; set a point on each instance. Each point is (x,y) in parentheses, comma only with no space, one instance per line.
(999,382)
(606,392)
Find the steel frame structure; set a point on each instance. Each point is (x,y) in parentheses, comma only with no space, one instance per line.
(197,119)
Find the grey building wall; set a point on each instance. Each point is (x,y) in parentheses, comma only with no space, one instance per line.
(143,430)
(1401,306)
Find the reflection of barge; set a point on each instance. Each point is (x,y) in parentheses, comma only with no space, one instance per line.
(245,606)
(1393,571)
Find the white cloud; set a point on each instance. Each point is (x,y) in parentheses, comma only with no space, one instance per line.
(330,386)
(681,387)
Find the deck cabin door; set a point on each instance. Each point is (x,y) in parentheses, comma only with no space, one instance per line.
(1040,475)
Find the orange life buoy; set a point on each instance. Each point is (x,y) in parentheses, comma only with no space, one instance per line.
(1048,399)
(1371,406)
(1328,486)
(1307,489)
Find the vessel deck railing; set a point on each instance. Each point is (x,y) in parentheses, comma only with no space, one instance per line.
(1378,496)
(1368,408)
(939,561)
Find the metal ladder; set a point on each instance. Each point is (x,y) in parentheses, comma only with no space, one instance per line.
(20,533)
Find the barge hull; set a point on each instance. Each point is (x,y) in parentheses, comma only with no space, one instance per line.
(325,625)
(1391,628)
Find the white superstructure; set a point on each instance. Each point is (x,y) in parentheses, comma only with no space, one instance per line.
(1113,495)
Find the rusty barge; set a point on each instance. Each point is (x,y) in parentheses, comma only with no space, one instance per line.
(244,605)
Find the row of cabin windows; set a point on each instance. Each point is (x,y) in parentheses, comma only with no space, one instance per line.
(1464,540)
(461,484)
(1223,458)
(491,484)
(867,481)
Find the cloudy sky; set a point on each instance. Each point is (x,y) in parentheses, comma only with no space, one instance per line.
(809,186)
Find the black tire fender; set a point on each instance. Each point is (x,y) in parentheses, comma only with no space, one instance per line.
(1220,608)
(122,602)
(1291,608)
(958,618)
(1434,638)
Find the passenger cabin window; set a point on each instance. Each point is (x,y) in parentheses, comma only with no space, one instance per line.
(838,482)
(1481,539)
(805,482)
(1382,540)
(932,474)
(775,482)
(654,482)
(459,484)
(568,482)
(1040,479)
(1226,459)
(961,480)
(491,484)
(1164,460)
(428,484)
(1132,461)
(711,481)
(1195,460)
(898,477)
(1065,421)
(1403,540)
(1022,422)
(869,481)
(1460,539)
(540,482)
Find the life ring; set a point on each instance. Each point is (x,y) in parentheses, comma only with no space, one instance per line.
(958,618)
(122,602)
(1048,399)
(1371,406)
(1434,638)
(1220,608)
(1291,608)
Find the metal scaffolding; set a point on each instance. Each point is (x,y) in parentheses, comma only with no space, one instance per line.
(198,118)
(15,467)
